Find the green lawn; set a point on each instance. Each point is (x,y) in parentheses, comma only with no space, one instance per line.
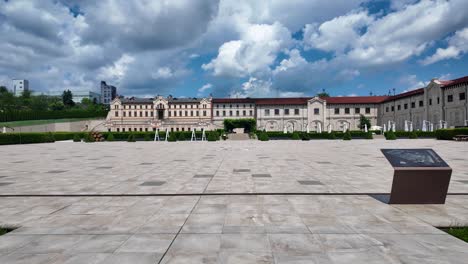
(5,230)
(40,122)
(459,232)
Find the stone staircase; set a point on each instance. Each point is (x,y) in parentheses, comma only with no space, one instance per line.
(238,136)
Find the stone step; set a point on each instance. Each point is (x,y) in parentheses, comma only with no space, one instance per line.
(241,136)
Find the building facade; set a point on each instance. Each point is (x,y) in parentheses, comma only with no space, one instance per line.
(149,114)
(441,103)
(19,86)
(108,93)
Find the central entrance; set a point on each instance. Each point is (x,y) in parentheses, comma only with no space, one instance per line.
(160,114)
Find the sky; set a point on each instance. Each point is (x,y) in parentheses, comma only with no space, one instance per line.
(233,48)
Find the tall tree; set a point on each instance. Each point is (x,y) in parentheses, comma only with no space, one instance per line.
(364,121)
(67,98)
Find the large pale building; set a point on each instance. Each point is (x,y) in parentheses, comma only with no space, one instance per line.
(19,86)
(441,103)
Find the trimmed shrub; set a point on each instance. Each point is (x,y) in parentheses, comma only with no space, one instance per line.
(390,135)
(213,136)
(110,137)
(295,136)
(413,135)
(305,136)
(448,134)
(180,136)
(147,137)
(332,135)
(172,137)
(347,135)
(76,138)
(50,137)
(263,136)
(88,138)
(369,135)
(131,138)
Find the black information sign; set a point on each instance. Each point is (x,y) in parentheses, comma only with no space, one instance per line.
(413,158)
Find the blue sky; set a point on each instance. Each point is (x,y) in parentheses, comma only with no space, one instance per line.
(233,48)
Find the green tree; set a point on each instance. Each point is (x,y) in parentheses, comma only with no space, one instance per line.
(67,98)
(39,103)
(363,121)
(7,99)
(323,94)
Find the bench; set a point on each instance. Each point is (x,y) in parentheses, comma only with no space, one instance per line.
(460,138)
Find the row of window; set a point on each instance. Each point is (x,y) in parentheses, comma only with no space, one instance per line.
(244,113)
(461,97)
(146,129)
(236,106)
(151,113)
(286,111)
(186,106)
(337,111)
(405,106)
(347,110)
(147,106)
(186,113)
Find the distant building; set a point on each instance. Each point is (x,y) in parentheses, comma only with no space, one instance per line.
(19,86)
(442,103)
(78,96)
(108,93)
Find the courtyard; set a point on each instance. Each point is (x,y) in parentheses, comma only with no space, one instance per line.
(222,202)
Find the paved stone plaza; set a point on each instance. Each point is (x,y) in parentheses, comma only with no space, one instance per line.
(222,202)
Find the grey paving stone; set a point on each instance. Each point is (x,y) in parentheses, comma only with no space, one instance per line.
(153,183)
(364,166)
(5,183)
(104,167)
(463,181)
(146,163)
(261,175)
(203,176)
(240,170)
(324,162)
(156,243)
(310,182)
(56,171)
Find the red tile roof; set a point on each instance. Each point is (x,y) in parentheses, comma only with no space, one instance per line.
(407,94)
(355,99)
(303,100)
(454,82)
(232,100)
(284,101)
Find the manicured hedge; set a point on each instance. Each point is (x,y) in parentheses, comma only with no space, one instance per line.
(448,134)
(41,137)
(26,138)
(19,115)
(420,134)
(324,135)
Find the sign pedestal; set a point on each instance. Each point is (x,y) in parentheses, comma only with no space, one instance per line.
(420,176)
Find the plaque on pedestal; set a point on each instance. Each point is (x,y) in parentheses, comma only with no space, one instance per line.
(421,176)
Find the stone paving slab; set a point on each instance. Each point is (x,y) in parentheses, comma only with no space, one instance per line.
(357,166)
(213,228)
(230,229)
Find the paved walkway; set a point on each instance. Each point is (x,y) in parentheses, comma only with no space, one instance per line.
(319,166)
(209,228)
